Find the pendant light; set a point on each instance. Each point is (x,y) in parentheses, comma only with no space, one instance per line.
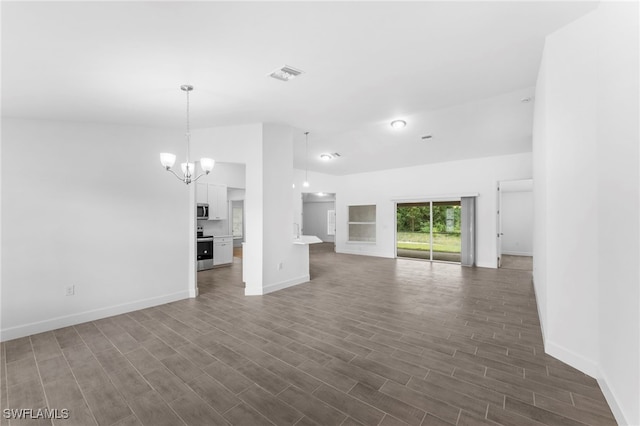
(188,168)
(306,162)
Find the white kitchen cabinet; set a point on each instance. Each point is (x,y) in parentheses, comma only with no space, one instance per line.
(217,199)
(222,250)
(215,195)
(202,193)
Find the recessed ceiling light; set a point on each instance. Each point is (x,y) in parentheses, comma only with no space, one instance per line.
(285,73)
(329,156)
(321,194)
(398,124)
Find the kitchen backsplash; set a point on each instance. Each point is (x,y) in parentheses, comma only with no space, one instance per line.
(214,227)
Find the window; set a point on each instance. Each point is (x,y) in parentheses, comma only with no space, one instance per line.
(236,221)
(362,224)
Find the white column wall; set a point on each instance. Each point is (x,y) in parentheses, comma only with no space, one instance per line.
(618,151)
(586,165)
(284,264)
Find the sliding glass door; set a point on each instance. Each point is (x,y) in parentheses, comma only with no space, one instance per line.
(429,230)
(413,224)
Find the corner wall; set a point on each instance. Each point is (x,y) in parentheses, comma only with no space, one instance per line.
(586,168)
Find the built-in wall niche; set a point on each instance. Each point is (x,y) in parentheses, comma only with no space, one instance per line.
(362,224)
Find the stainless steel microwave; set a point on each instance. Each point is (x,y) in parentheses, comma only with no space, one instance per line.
(202,212)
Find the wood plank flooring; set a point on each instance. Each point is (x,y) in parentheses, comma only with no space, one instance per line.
(524,263)
(368,341)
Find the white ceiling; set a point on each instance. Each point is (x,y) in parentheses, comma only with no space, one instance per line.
(456,70)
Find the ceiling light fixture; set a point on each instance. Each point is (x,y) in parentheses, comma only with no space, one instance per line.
(285,73)
(326,157)
(329,156)
(188,168)
(306,162)
(398,124)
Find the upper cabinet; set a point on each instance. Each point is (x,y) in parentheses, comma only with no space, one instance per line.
(216,196)
(217,201)
(202,193)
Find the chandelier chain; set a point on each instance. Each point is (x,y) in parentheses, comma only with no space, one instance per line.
(188,131)
(306,160)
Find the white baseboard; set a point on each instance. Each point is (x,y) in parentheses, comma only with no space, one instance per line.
(79,318)
(289,283)
(541,318)
(586,366)
(567,356)
(609,395)
(517,253)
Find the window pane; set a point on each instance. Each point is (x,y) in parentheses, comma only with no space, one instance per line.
(237,222)
(362,232)
(362,213)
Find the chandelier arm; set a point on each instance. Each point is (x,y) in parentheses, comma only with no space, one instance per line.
(201,174)
(176,175)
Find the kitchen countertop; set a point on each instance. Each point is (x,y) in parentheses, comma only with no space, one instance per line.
(306,240)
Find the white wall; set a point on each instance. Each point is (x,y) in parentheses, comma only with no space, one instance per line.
(618,206)
(228,144)
(516,214)
(479,176)
(90,206)
(230,174)
(586,165)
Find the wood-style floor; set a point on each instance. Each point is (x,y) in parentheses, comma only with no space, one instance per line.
(368,341)
(524,263)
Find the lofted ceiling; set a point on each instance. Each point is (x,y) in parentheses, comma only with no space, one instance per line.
(453,70)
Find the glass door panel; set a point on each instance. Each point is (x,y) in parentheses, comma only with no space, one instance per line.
(413,236)
(429,230)
(446,231)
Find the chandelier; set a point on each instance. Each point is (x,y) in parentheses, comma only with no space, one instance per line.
(188,168)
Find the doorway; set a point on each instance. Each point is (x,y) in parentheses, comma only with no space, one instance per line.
(429,230)
(319,218)
(515,224)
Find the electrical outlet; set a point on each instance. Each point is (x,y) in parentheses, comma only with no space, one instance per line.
(70,290)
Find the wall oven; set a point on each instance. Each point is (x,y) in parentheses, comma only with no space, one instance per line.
(205,253)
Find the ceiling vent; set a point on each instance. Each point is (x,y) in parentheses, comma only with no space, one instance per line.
(426,137)
(285,73)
